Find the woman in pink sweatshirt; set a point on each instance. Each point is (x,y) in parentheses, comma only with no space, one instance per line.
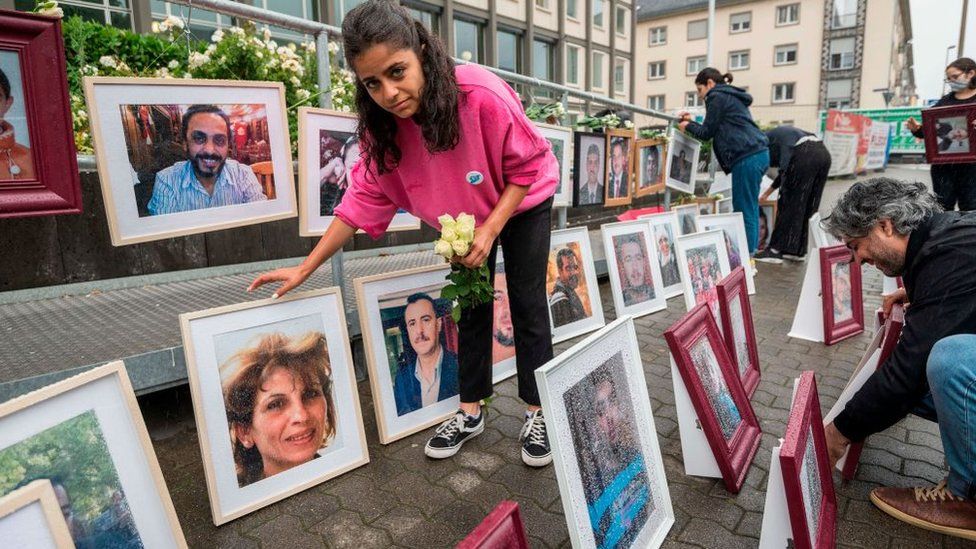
(436,139)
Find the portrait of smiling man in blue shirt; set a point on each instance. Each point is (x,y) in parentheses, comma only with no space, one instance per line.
(207,178)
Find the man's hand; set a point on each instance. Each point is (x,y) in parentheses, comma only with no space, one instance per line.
(836,444)
(484,237)
(889,300)
(913,124)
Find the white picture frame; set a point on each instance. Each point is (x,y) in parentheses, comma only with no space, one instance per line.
(583,314)
(630,252)
(101,403)
(687,216)
(503,362)
(605,369)
(682,165)
(128,158)
(30,516)
(335,131)
(735,231)
(700,286)
(564,155)
(385,294)
(724,205)
(664,228)
(217,342)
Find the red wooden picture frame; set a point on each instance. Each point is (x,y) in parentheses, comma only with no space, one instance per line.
(804,420)
(729,288)
(501,529)
(938,142)
(892,331)
(837,331)
(734,455)
(55,187)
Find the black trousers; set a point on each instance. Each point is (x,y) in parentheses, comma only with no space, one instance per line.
(801,187)
(525,240)
(955,184)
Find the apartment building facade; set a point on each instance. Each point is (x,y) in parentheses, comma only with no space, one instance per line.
(795,57)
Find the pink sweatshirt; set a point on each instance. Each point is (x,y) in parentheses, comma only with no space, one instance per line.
(499,146)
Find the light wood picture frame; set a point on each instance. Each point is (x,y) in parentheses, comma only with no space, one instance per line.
(652,154)
(96,414)
(561,139)
(30,516)
(619,187)
(148,170)
(297,343)
(687,218)
(633,268)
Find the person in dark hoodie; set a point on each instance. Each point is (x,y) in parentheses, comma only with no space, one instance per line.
(740,146)
(900,228)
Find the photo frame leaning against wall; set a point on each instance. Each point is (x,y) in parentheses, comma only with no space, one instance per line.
(950,134)
(682,164)
(30,516)
(652,155)
(167,167)
(252,364)
(589,168)
(561,139)
(704,262)
(92,416)
(633,268)
(610,470)
(738,328)
(843,299)
(575,307)
(620,167)
(736,242)
(38,161)
(665,231)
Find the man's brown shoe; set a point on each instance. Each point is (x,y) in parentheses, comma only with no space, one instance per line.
(933,508)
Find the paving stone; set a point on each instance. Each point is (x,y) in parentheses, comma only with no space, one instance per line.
(347,529)
(286,531)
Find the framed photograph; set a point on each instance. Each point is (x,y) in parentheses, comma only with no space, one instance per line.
(502,330)
(682,162)
(806,471)
(651,156)
(706,205)
(738,328)
(561,139)
(275,400)
(950,134)
(716,392)
(687,218)
(118,498)
(604,443)
(589,168)
(30,516)
(724,206)
(411,345)
(620,167)
(704,262)
(736,243)
(767,221)
(178,157)
(327,150)
(843,305)
(38,162)
(634,271)
(574,294)
(664,230)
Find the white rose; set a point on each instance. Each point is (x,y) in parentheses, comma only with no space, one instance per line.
(446,221)
(52,11)
(303,94)
(465,223)
(443,249)
(460,247)
(295,81)
(448,234)
(217,36)
(155,27)
(173,64)
(467,234)
(175,22)
(108,61)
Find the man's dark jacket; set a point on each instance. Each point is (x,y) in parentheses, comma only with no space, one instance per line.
(406,388)
(729,125)
(940,278)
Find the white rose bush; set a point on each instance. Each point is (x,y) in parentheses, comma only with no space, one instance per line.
(468,287)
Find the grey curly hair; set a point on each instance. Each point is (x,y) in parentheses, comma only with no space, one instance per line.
(906,204)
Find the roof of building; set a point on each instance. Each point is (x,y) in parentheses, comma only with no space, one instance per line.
(653,9)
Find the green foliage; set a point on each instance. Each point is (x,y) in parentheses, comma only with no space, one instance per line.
(468,288)
(550,112)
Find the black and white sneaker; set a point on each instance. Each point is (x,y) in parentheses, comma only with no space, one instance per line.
(453,433)
(769,256)
(535,441)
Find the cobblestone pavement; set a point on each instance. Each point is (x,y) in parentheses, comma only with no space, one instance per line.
(403,499)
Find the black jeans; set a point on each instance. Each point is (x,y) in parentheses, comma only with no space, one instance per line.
(525,240)
(955,184)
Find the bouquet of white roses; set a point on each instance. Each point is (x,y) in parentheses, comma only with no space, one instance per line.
(468,287)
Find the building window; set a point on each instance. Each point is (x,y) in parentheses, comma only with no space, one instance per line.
(468,40)
(542,60)
(655,70)
(784,93)
(738,60)
(428,18)
(598,13)
(740,22)
(572,64)
(839,93)
(698,30)
(657,36)
(844,14)
(202,24)
(620,76)
(571,9)
(692,99)
(509,51)
(787,15)
(655,102)
(841,54)
(695,65)
(342,7)
(116,13)
(621,21)
(304,9)
(596,81)
(544,4)
(785,55)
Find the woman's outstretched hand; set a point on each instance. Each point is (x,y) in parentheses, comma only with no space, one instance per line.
(290,276)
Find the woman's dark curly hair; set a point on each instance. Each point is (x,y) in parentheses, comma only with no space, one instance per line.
(386,22)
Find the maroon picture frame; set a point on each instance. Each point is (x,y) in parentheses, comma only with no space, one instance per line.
(733,456)
(730,287)
(936,138)
(804,420)
(56,185)
(501,529)
(892,332)
(838,331)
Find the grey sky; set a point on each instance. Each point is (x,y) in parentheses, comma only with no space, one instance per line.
(935,26)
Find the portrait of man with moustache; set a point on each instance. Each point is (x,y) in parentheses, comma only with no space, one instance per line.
(429,372)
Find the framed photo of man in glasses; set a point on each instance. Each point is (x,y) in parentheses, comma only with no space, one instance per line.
(178,157)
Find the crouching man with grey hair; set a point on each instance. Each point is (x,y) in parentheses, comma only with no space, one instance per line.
(899,228)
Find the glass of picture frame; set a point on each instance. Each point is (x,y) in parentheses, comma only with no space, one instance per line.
(950,134)
(738,328)
(633,267)
(561,140)
(843,300)
(620,167)
(575,307)
(30,516)
(652,154)
(665,230)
